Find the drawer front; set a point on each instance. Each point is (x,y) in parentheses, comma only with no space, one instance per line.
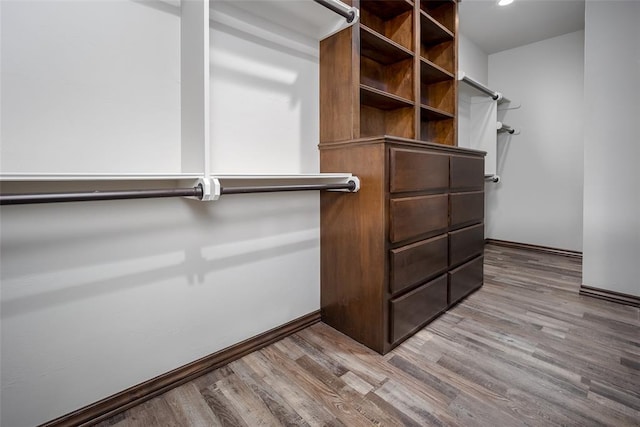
(412,310)
(416,216)
(412,170)
(465,279)
(466,208)
(467,173)
(466,243)
(417,262)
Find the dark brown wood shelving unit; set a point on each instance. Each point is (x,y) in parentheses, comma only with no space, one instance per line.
(408,245)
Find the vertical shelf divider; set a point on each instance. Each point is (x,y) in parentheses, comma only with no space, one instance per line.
(194,88)
(416,68)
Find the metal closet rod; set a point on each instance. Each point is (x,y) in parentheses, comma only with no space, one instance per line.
(339,8)
(197,192)
(482,88)
(506,128)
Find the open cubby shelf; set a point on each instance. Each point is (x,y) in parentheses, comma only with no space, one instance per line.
(395,79)
(398,121)
(437,131)
(380,48)
(441,54)
(431,113)
(441,11)
(386,9)
(382,100)
(433,73)
(393,20)
(439,95)
(433,32)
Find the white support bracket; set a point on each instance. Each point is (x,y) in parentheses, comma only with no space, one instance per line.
(211,188)
(353,179)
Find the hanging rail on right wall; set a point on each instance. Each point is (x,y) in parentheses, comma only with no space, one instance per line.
(342,9)
(503,127)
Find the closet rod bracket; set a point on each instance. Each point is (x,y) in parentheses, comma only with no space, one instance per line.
(211,189)
(342,9)
(354,185)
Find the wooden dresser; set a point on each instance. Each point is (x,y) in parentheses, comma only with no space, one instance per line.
(408,245)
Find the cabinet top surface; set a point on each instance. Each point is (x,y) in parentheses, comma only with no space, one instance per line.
(409,143)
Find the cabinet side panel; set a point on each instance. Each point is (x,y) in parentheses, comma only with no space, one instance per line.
(353,271)
(339,83)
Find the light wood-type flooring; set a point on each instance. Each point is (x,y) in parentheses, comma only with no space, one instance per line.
(525,349)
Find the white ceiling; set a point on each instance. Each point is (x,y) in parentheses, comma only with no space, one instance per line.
(496,28)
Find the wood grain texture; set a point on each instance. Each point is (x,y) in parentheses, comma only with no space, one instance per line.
(431,73)
(437,131)
(385,9)
(467,173)
(415,263)
(394,73)
(412,170)
(441,54)
(412,217)
(466,208)
(415,308)
(406,202)
(400,122)
(395,79)
(432,31)
(443,11)
(526,349)
(339,87)
(108,407)
(353,251)
(392,19)
(381,49)
(465,279)
(465,244)
(439,95)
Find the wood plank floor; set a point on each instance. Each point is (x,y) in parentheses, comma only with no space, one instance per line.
(525,349)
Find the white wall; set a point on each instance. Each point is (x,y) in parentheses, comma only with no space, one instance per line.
(90,86)
(611,147)
(472,60)
(264,99)
(97,297)
(475,63)
(539,200)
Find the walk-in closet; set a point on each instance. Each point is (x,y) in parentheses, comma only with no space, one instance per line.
(319,212)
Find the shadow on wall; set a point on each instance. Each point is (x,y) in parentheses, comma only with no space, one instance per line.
(99,248)
(264,96)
